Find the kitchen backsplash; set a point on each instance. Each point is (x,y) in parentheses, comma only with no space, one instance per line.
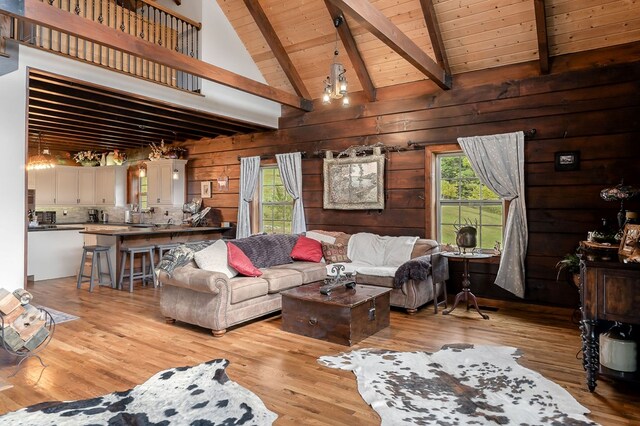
(116,214)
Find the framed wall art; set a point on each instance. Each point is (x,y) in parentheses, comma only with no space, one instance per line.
(567,160)
(354,183)
(205,189)
(629,245)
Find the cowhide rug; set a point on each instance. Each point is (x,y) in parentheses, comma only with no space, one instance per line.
(458,385)
(200,395)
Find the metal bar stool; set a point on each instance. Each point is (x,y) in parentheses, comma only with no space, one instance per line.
(143,274)
(96,252)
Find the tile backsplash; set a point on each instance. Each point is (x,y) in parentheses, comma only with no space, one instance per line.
(116,214)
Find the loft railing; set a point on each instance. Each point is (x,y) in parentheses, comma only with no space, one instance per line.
(146,21)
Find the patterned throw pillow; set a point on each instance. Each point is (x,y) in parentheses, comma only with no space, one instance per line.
(335,253)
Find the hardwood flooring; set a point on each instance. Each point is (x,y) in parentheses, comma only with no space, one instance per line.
(121,340)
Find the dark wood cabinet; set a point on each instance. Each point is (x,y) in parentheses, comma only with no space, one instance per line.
(610,291)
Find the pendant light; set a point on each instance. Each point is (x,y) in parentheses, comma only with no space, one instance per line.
(335,86)
(41,160)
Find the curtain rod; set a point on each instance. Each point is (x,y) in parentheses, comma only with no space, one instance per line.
(528,135)
(303,154)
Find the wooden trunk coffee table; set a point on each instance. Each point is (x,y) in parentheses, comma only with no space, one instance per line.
(344,316)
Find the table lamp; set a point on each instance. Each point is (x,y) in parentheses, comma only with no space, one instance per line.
(620,193)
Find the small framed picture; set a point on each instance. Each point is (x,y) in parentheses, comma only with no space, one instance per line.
(205,189)
(567,160)
(629,245)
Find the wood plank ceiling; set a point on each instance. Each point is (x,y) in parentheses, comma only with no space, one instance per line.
(72,116)
(475,35)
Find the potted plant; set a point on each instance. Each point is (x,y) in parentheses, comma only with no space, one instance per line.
(571,264)
(87,158)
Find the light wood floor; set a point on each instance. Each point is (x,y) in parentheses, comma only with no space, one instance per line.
(121,340)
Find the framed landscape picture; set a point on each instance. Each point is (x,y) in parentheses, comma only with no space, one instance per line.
(354,183)
(629,244)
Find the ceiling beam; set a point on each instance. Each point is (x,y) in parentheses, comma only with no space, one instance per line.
(541,29)
(49,16)
(277,48)
(431,20)
(380,26)
(352,50)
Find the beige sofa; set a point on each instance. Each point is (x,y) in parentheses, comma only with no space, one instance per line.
(214,301)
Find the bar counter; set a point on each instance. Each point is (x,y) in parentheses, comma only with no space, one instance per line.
(151,236)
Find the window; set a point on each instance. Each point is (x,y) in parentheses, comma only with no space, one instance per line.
(143,201)
(462,199)
(276,205)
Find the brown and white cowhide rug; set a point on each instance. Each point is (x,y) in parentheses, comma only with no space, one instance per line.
(201,395)
(458,385)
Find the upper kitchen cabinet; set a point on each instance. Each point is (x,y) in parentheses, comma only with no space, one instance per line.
(111,185)
(166,182)
(44,182)
(75,185)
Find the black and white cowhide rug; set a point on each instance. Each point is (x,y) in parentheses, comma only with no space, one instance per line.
(201,395)
(458,385)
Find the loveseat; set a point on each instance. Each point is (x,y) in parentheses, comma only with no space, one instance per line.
(217,300)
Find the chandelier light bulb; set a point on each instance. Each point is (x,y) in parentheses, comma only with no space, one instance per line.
(345,101)
(343,86)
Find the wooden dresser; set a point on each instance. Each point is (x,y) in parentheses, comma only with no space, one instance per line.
(609,291)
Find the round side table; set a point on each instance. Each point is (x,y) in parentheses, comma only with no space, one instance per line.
(466,293)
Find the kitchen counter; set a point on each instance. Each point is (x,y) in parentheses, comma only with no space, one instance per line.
(55,228)
(133,236)
(158,230)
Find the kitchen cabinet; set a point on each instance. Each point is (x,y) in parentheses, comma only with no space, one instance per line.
(45,186)
(75,185)
(110,187)
(162,188)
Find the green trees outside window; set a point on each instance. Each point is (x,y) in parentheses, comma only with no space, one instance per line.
(276,205)
(462,199)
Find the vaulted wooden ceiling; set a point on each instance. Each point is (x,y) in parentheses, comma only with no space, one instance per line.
(474,34)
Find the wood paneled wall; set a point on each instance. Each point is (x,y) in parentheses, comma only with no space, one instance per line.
(594,110)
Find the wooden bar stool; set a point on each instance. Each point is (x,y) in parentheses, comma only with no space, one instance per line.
(144,274)
(96,252)
(162,248)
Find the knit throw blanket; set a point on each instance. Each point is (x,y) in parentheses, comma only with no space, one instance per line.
(417,269)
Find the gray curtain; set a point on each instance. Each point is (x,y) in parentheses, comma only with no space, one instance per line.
(290,166)
(498,160)
(249,173)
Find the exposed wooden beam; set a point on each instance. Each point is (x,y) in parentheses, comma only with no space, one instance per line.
(277,48)
(431,20)
(380,26)
(352,50)
(541,29)
(68,23)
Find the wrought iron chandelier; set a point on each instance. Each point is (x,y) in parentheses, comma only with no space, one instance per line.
(335,86)
(42,160)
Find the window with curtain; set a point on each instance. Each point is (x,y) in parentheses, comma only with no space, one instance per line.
(462,199)
(276,205)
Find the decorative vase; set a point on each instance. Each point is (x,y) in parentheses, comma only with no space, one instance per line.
(466,238)
(89,163)
(110,160)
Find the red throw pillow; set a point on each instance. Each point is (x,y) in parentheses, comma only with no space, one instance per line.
(240,262)
(307,249)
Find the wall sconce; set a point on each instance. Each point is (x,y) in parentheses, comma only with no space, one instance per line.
(176,174)
(335,86)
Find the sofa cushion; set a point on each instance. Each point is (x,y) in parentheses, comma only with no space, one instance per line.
(321,236)
(267,250)
(214,258)
(240,262)
(281,279)
(375,280)
(310,271)
(245,288)
(423,247)
(334,253)
(307,249)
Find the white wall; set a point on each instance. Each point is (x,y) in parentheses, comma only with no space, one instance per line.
(12,175)
(221,46)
